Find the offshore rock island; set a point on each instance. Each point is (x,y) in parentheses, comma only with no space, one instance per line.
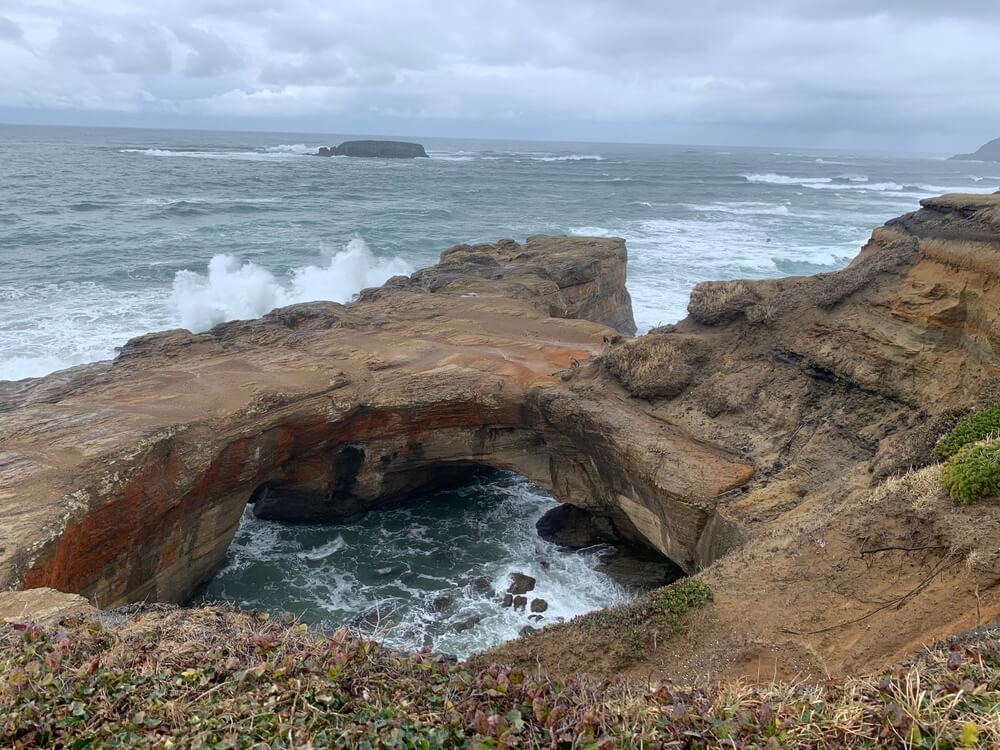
(776,445)
(375,149)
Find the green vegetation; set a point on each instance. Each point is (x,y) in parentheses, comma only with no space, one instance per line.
(973,473)
(638,624)
(679,598)
(977,426)
(217,678)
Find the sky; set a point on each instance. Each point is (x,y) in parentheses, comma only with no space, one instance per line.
(900,75)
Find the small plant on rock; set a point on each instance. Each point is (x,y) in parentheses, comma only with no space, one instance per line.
(975,427)
(680,598)
(973,473)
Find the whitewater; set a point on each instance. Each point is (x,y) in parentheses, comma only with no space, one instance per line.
(110,234)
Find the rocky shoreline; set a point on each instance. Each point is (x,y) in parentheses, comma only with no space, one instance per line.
(765,444)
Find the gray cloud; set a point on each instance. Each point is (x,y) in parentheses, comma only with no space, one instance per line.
(210,54)
(902,73)
(9,31)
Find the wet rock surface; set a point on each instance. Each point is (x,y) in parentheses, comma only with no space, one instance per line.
(521,584)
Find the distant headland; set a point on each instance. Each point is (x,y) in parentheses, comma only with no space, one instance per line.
(376,149)
(987,152)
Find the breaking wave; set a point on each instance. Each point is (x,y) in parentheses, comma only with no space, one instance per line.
(266,153)
(236,290)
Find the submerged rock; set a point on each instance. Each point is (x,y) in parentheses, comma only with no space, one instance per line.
(484,586)
(468,623)
(442,603)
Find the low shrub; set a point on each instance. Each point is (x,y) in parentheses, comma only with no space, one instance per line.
(681,597)
(973,473)
(975,427)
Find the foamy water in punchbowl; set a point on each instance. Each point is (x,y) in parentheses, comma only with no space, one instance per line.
(109,234)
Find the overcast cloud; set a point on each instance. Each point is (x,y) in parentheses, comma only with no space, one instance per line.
(905,74)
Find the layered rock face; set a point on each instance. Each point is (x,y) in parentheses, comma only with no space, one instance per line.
(124,481)
(834,387)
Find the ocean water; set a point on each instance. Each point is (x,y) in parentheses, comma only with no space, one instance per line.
(424,576)
(108,234)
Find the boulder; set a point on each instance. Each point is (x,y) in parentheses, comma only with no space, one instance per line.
(43,606)
(520,583)
(520,602)
(539,605)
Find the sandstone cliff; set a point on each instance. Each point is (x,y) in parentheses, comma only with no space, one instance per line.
(759,441)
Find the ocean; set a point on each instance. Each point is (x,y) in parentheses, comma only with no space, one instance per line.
(107,234)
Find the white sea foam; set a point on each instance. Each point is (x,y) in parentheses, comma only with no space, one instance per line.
(590,232)
(771,178)
(234,290)
(743,208)
(48,327)
(570,157)
(859,182)
(268,153)
(292,148)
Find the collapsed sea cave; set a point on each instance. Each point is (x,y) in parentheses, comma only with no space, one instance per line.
(435,568)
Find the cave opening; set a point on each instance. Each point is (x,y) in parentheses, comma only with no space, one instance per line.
(441,568)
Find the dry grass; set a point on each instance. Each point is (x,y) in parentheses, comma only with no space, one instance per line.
(714,302)
(656,366)
(919,489)
(218,678)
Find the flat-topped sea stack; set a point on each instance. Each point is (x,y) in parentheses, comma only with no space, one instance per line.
(987,152)
(375,149)
(771,444)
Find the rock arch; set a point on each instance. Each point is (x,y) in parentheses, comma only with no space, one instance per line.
(126,480)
